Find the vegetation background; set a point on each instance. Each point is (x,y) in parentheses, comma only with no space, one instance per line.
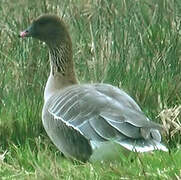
(132,44)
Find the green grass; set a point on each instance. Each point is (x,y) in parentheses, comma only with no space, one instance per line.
(135,45)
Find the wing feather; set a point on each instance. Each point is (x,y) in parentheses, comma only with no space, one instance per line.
(90,132)
(104,129)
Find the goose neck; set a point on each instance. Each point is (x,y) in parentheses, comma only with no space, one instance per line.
(62,72)
(60,57)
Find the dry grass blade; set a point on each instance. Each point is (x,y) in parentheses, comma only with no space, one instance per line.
(2,156)
(171,120)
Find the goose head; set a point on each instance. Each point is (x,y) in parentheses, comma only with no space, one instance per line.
(49,29)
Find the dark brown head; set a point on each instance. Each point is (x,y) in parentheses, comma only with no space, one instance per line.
(48,28)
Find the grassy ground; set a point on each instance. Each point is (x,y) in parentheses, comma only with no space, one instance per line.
(135,45)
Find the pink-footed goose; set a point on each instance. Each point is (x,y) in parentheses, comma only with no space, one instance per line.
(86,121)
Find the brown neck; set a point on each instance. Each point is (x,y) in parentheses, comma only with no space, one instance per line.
(61,62)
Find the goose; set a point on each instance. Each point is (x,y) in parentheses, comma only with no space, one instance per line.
(87,122)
